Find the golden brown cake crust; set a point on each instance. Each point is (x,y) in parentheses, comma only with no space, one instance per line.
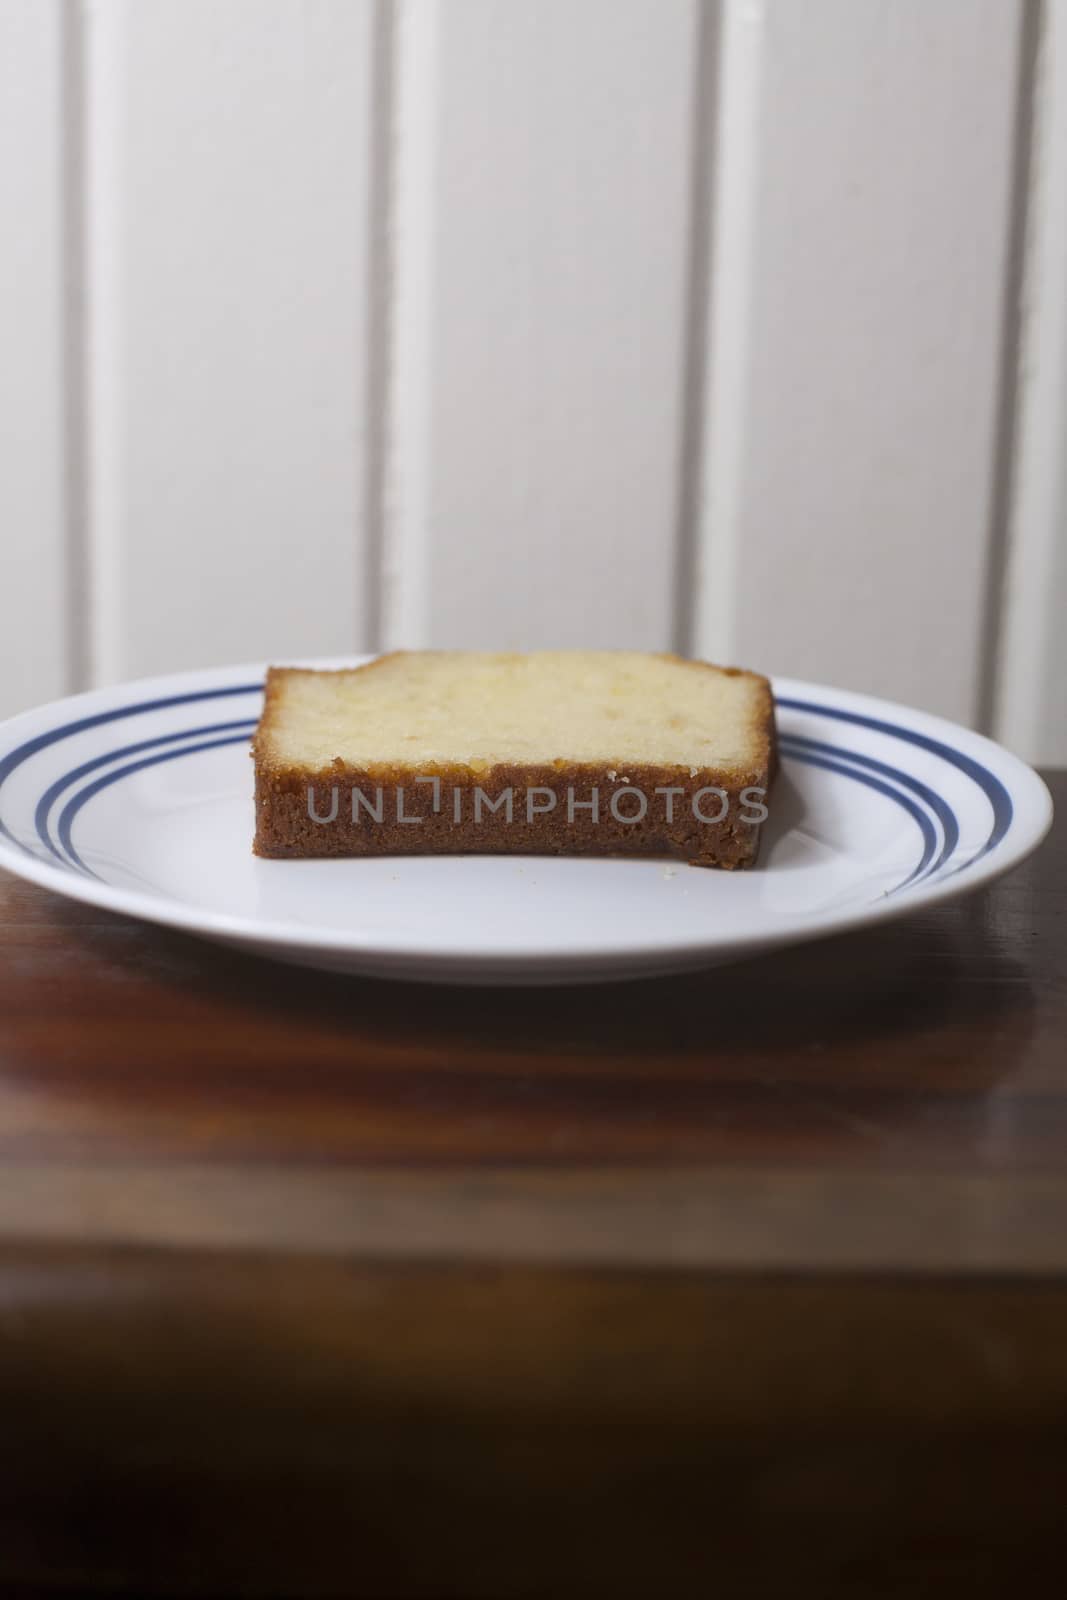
(421,818)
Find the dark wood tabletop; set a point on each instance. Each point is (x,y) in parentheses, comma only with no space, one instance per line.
(752,1281)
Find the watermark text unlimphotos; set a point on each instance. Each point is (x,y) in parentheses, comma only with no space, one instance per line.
(626,804)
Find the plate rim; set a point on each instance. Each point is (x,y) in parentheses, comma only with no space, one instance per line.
(1032,818)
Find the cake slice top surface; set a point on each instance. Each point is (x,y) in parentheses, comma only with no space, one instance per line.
(417,708)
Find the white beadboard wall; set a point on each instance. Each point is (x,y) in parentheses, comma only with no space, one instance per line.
(334,324)
(35,656)
(228,227)
(1031,680)
(855,368)
(542,184)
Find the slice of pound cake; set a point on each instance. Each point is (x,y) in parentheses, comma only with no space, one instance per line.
(558,751)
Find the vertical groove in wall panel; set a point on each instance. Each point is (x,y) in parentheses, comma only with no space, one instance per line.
(75,334)
(542,243)
(103,129)
(405,552)
(847,536)
(697,342)
(34,654)
(1007,424)
(1030,712)
(379,315)
(731,200)
(230,207)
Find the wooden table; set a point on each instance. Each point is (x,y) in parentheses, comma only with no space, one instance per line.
(747,1282)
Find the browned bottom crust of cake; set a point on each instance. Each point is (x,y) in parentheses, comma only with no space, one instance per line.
(708,820)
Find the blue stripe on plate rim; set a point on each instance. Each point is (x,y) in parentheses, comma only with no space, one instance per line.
(15,758)
(877,775)
(812,751)
(991,786)
(825,758)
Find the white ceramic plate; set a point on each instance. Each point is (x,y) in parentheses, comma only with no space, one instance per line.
(139,798)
